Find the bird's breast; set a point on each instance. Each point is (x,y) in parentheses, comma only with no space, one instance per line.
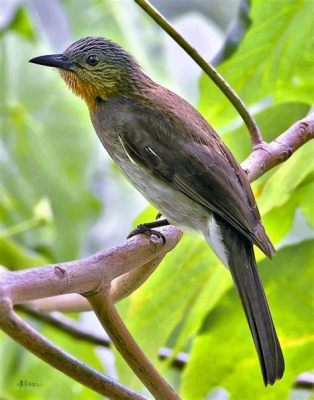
(174,205)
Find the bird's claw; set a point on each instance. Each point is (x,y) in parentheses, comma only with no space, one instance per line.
(145,230)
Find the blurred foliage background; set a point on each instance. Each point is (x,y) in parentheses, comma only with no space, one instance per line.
(61,197)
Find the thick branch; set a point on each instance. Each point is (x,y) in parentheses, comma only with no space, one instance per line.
(209,70)
(268,155)
(126,284)
(86,275)
(121,287)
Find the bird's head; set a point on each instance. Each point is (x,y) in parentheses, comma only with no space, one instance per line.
(94,68)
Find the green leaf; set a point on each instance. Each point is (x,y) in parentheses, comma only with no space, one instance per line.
(148,215)
(223,350)
(14,256)
(305,196)
(206,299)
(279,220)
(170,307)
(21,24)
(280,186)
(158,306)
(273,62)
(272,121)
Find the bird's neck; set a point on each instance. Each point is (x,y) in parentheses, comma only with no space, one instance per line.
(135,85)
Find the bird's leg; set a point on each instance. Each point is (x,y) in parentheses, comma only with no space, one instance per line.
(148,229)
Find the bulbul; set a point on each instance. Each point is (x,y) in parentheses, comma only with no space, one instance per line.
(177,161)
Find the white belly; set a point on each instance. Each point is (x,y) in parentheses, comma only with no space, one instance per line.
(179,209)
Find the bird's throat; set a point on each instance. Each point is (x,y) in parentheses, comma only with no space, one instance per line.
(87,92)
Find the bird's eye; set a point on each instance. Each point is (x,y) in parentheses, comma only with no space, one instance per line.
(92,60)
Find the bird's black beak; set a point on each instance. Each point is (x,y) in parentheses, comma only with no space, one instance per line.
(54,60)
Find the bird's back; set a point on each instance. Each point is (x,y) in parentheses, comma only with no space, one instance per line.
(160,120)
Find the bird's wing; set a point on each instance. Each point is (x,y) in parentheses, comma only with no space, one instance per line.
(207,174)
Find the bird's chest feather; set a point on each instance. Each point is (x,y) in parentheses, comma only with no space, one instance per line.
(178,208)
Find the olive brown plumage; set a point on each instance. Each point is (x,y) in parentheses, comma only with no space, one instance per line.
(177,161)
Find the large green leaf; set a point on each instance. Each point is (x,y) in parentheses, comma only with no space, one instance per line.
(170,307)
(305,196)
(287,177)
(223,353)
(272,121)
(14,256)
(273,62)
(165,297)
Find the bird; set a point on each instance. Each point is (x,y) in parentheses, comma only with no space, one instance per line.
(171,154)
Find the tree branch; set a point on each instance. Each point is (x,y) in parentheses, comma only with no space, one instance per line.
(87,276)
(26,336)
(121,287)
(268,155)
(77,331)
(127,346)
(66,325)
(209,70)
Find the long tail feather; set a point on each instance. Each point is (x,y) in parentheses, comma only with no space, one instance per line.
(242,265)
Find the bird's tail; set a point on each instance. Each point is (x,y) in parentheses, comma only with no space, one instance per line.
(242,265)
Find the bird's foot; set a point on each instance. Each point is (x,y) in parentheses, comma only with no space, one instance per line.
(148,229)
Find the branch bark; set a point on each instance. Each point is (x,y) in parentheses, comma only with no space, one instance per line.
(87,276)
(66,325)
(127,346)
(268,155)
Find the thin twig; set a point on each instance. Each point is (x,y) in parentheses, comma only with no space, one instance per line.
(66,325)
(26,336)
(209,70)
(126,345)
(77,331)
